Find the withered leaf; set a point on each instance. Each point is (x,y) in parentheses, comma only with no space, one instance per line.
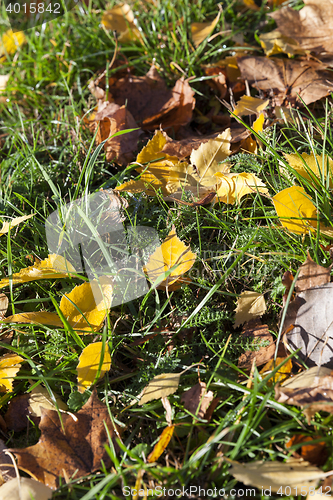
(284,80)
(315,453)
(78,450)
(197,396)
(311,275)
(258,333)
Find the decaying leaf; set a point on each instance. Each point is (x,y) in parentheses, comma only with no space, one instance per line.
(121,19)
(310,166)
(200,31)
(310,26)
(250,106)
(314,453)
(197,399)
(14,222)
(23,488)
(312,275)
(55,266)
(286,81)
(311,389)
(259,334)
(276,43)
(249,305)
(162,443)
(89,362)
(170,253)
(234,186)
(79,449)
(160,387)
(309,321)
(10,364)
(274,475)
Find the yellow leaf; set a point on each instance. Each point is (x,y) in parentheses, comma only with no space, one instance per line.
(162,443)
(41,317)
(249,305)
(121,19)
(40,398)
(13,222)
(276,43)
(153,151)
(295,210)
(248,105)
(172,251)
(160,387)
(309,164)
(23,488)
(55,266)
(9,366)
(258,125)
(208,156)
(89,362)
(282,374)
(234,186)
(10,42)
(200,31)
(141,185)
(250,4)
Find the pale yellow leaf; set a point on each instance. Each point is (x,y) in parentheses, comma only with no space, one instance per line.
(170,253)
(234,186)
(162,443)
(306,378)
(200,31)
(89,362)
(55,266)
(248,105)
(121,19)
(24,488)
(9,366)
(249,305)
(13,222)
(161,386)
(39,398)
(208,156)
(310,165)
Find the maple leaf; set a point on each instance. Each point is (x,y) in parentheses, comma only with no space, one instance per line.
(89,361)
(170,253)
(76,448)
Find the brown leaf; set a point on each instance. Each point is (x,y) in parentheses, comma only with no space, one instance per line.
(17,413)
(311,26)
(283,79)
(113,118)
(312,275)
(315,453)
(258,333)
(196,397)
(79,449)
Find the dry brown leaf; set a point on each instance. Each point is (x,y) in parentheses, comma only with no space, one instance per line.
(249,305)
(197,400)
(311,26)
(79,449)
(258,333)
(283,80)
(184,147)
(17,412)
(315,453)
(7,470)
(312,275)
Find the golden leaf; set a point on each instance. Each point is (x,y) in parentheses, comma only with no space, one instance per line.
(295,210)
(162,443)
(310,165)
(282,374)
(160,387)
(9,366)
(121,19)
(89,362)
(200,31)
(249,305)
(40,317)
(170,253)
(10,42)
(258,125)
(248,105)
(234,186)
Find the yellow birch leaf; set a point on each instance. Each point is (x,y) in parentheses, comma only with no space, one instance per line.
(140,186)
(276,43)
(89,362)
(13,222)
(258,125)
(282,374)
(121,19)
(295,210)
(200,31)
(208,156)
(55,266)
(172,251)
(162,443)
(310,163)
(40,317)
(234,186)
(248,105)
(249,305)
(160,387)
(9,366)
(39,398)
(10,42)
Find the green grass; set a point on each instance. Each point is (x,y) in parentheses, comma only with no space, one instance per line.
(239,247)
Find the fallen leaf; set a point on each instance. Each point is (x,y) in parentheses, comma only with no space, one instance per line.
(14,222)
(184,147)
(250,106)
(275,42)
(7,470)
(234,186)
(10,42)
(78,449)
(121,19)
(162,443)
(17,412)
(309,321)
(39,398)
(250,4)
(306,378)
(24,489)
(89,361)
(197,400)
(283,373)
(295,210)
(55,266)
(310,166)
(160,386)
(315,453)
(258,124)
(3,306)
(274,475)
(219,82)
(170,253)
(286,81)
(3,82)
(200,31)
(249,305)
(10,364)
(258,334)
(310,26)
(312,275)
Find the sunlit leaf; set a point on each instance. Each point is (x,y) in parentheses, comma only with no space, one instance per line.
(295,209)
(200,31)
(89,362)
(161,386)
(10,42)
(13,222)
(308,164)
(248,105)
(9,366)
(249,305)
(234,186)
(121,19)
(162,443)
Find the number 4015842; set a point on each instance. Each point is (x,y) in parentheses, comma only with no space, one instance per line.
(32,8)
(305,491)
